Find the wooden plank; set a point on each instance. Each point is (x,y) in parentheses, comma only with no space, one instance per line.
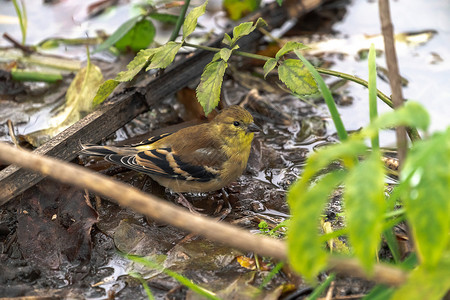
(123,107)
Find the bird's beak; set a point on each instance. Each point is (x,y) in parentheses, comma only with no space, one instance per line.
(253,128)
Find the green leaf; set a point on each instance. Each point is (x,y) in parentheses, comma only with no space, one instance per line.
(347,150)
(365,207)
(191,20)
(411,114)
(225,54)
(136,65)
(138,37)
(288,47)
(104,91)
(246,28)
(305,248)
(164,56)
(118,34)
(165,18)
(208,91)
(380,292)
(424,283)
(426,173)
(297,78)
(269,66)
(226,39)
(237,9)
(280,2)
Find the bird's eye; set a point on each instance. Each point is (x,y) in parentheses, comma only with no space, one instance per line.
(236,123)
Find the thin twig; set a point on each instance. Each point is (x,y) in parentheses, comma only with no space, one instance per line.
(393,72)
(160,210)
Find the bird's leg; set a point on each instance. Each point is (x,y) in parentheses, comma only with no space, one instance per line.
(224,213)
(183,201)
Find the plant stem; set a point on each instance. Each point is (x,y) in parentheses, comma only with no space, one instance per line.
(373,111)
(180,20)
(393,72)
(24,75)
(342,133)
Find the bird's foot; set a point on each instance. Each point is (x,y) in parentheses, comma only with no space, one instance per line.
(183,201)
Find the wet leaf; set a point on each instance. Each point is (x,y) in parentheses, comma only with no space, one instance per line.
(54,225)
(269,66)
(297,78)
(165,18)
(426,174)
(118,34)
(288,47)
(137,38)
(237,9)
(79,100)
(424,283)
(246,262)
(305,249)
(365,208)
(191,19)
(164,56)
(208,91)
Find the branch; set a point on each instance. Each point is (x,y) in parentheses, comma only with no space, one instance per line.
(393,72)
(160,210)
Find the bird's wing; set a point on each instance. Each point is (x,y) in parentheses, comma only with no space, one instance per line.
(164,162)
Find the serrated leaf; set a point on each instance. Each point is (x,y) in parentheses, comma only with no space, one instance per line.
(138,37)
(191,20)
(118,34)
(136,65)
(165,18)
(226,39)
(225,53)
(365,207)
(297,78)
(305,248)
(164,56)
(427,177)
(288,47)
(208,91)
(104,91)
(424,283)
(269,66)
(246,28)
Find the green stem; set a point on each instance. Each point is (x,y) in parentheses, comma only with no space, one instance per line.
(373,110)
(342,133)
(355,79)
(180,20)
(24,75)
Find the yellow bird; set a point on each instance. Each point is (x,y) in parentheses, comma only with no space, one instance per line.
(199,158)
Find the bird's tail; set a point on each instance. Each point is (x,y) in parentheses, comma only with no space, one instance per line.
(96,150)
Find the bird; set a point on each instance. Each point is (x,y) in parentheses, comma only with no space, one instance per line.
(196,159)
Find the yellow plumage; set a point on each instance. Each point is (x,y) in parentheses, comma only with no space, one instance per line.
(200,158)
